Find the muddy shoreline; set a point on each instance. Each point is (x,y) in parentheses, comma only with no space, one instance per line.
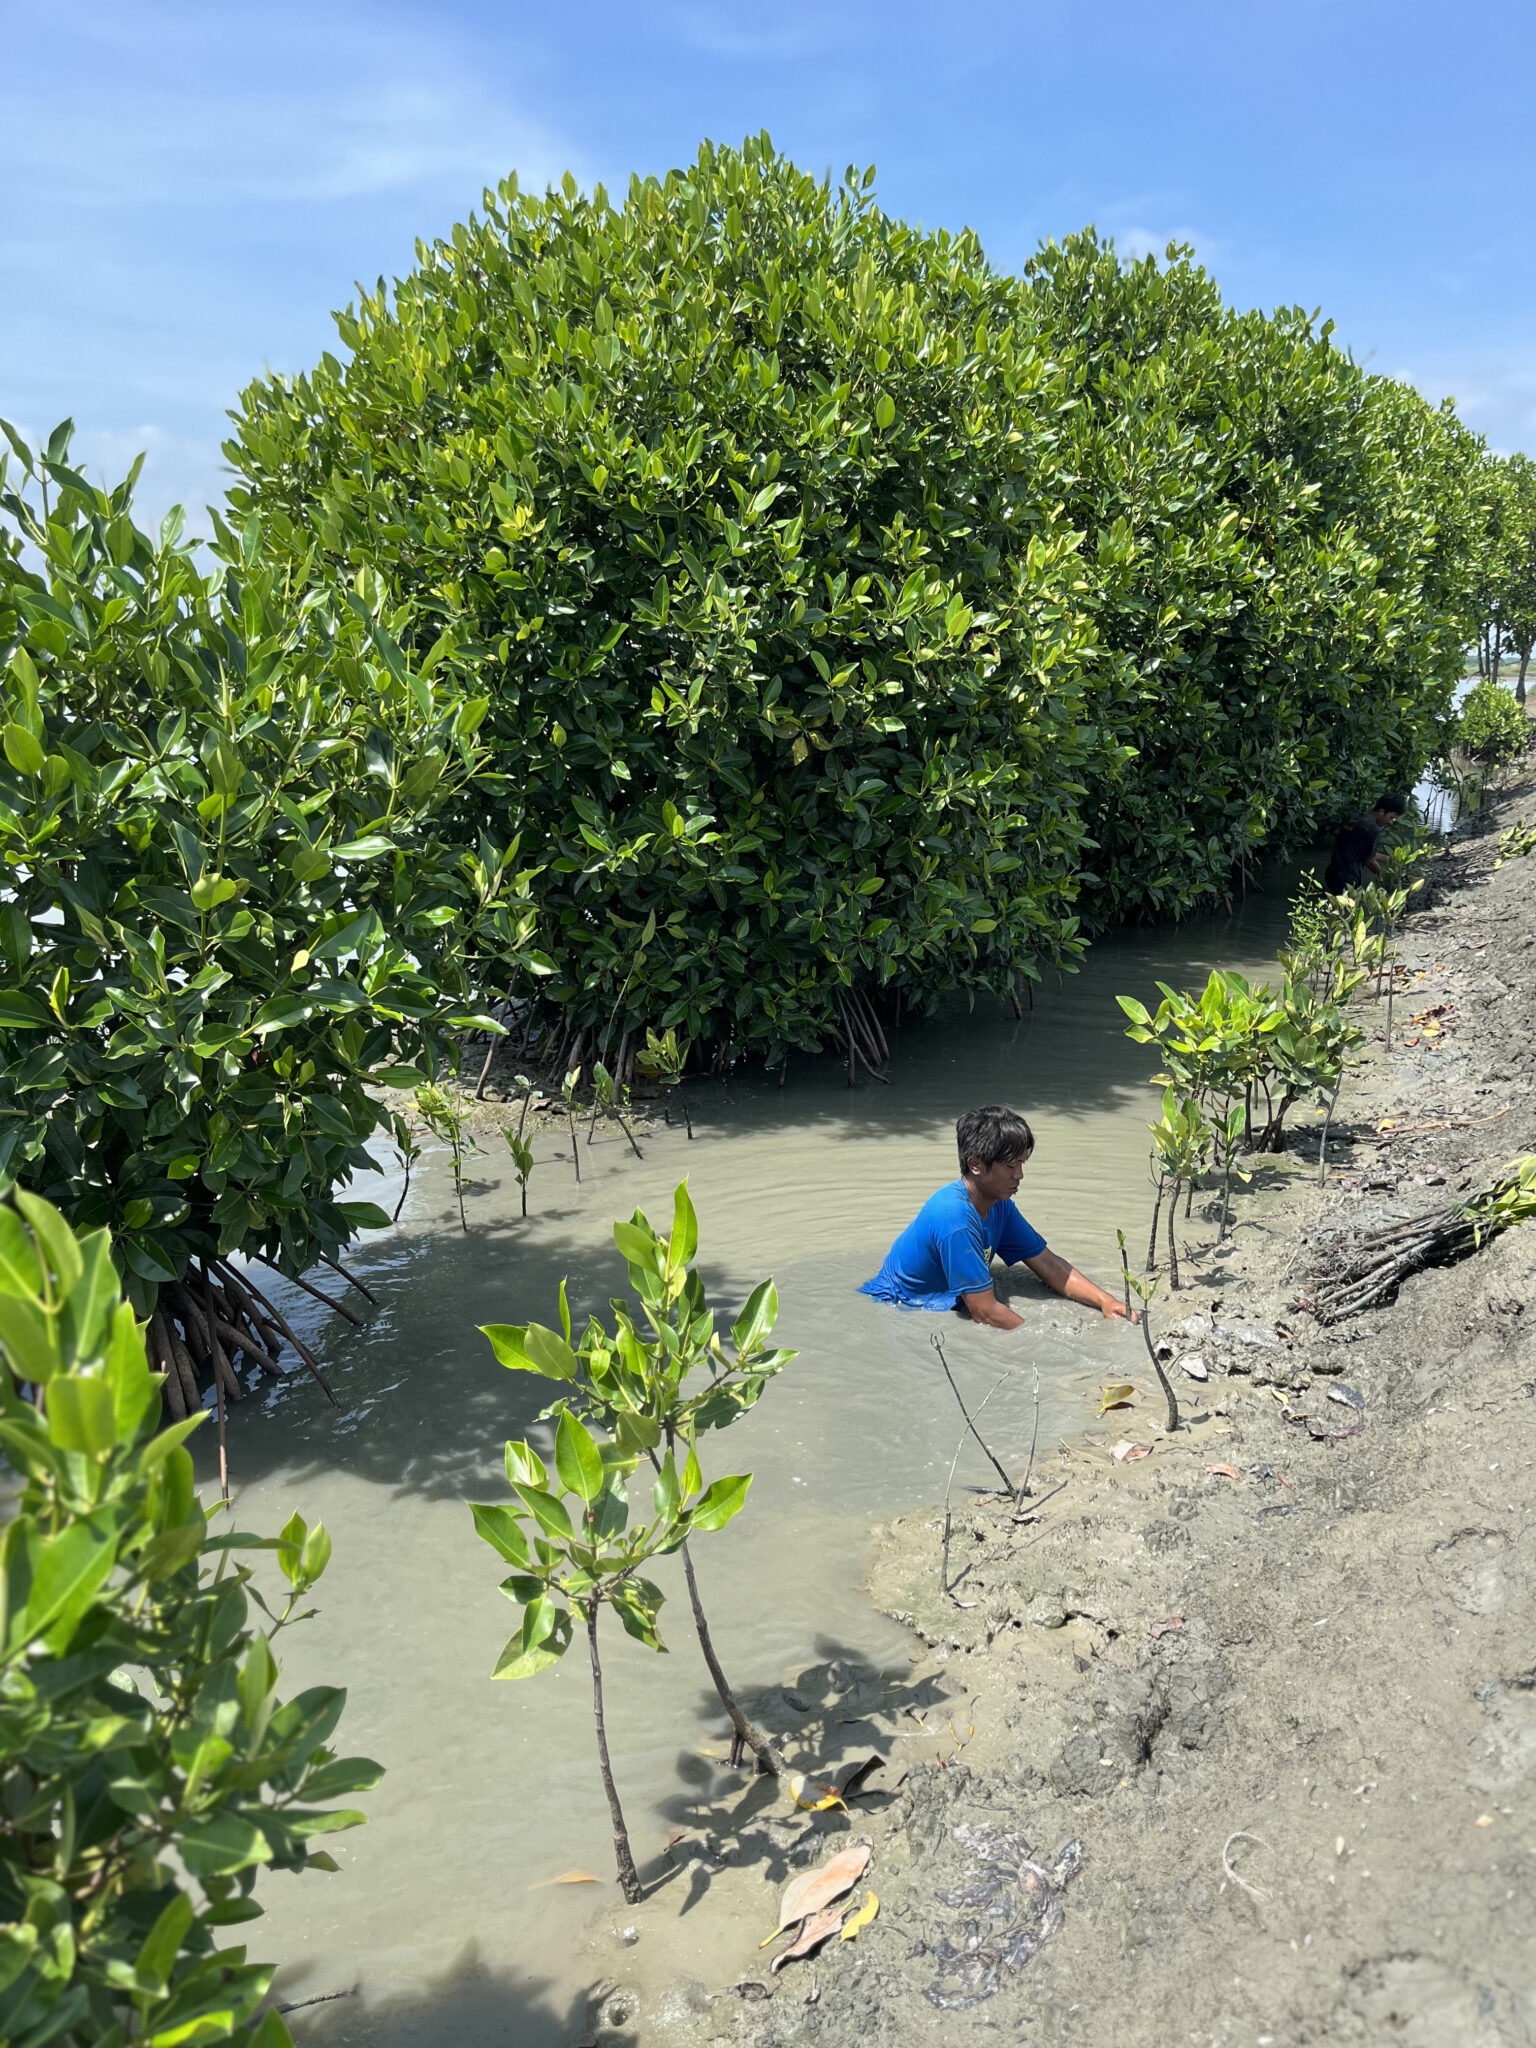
(1269,1729)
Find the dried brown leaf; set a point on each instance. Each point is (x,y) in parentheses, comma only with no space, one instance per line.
(819,1928)
(815,1889)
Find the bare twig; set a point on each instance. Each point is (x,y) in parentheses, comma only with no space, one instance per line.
(1013,1491)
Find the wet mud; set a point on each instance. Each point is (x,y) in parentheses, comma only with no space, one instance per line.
(1230,1740)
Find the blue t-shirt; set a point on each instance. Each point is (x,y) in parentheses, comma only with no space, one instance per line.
(947,1251)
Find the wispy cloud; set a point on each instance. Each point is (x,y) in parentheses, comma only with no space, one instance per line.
(199,106)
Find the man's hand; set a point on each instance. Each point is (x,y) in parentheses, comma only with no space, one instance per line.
(1063,1278)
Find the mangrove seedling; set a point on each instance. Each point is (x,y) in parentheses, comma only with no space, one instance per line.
(635,1383)
(568,1097)
(608,1097)
(522,1164)
(409,1151)
(446,1119)
(1184,1141)
(518,1144)
(664,1059)
(1145,1290)
(569,1562)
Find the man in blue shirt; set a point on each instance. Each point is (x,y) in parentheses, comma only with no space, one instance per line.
(943,1260)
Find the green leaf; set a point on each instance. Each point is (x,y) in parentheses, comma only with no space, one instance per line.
(222,1843)
(498,1524)
(577,1459)
(24,753)
(757,1319)
(549,1354)
(364,1215)
(547,1511)
(724,1500)
(19,1012)
(684,1241)
(542,1641)
(80,1414)
(638,1246)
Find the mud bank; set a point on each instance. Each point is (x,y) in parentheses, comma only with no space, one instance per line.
(1233,1742)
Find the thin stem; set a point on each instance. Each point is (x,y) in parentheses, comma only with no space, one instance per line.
(1173,1250)
(1322,1143)
(1013,1491)
(629,1878)
(768,1759)
(570,1114)
(1157,1208)
(1157,1367)
(1034,1435)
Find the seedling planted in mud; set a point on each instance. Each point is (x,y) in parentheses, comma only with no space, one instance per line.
(634,1384)
(568,1097)
(1145,1291)
(664,1059)
(446,1119)
(570,1561)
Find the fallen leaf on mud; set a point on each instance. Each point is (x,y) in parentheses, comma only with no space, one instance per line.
(815,1931)
(814,1795)
(861,1919)
(1163,1628)
(1221,1472)
(1116,1397)
(814,1889)
(1126,1453)
(849,1778)
(568,1877)
(1388,1123)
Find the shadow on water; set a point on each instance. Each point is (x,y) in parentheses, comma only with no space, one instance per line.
(469,2001)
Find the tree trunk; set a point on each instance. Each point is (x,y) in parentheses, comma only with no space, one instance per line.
(1496,654)
(629,1878)
(1156,1212)
(1525,662)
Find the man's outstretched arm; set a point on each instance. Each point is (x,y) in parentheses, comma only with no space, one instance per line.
(1063,1278)
(984,1307)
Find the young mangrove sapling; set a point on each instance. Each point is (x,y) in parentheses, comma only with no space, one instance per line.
(446,1119)
(1145,1290)
(635,1382)
(570,1561)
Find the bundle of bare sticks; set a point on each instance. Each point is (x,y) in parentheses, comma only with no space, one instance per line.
(1372,1271)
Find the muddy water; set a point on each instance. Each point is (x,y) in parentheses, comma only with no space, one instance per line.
(443,1925)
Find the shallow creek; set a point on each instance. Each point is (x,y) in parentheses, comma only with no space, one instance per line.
(443,1924)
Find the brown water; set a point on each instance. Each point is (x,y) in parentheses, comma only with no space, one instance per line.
(441,1923)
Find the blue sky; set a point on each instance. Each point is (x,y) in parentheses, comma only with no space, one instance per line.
(188,190)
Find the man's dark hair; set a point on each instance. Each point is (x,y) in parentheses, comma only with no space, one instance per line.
(992,1133)
(1397,805)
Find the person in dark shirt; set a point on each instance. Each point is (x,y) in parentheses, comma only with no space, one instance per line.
(943,1260)
(1354,853)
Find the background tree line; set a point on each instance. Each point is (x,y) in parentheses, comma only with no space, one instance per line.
(732,612)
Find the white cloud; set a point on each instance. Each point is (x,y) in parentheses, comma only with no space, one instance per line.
(197,106)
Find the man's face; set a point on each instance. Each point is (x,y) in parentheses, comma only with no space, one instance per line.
(1384,818)
(998,1182)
